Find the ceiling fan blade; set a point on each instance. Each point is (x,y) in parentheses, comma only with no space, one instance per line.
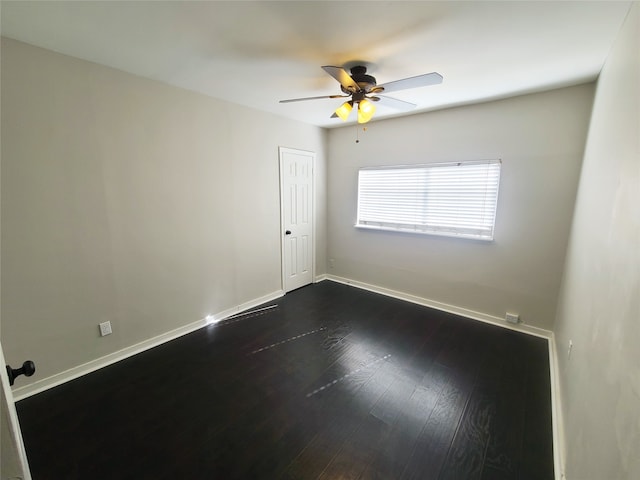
(395,103)
(312,98)
(412,82)
(341,75)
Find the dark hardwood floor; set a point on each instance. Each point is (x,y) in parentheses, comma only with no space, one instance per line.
(333,383)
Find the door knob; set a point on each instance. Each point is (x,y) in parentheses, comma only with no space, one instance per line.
(288,232)
(28,368)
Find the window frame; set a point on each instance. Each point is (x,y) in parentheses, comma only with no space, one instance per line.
(491,193)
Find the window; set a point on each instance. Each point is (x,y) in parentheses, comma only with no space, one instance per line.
(454,199)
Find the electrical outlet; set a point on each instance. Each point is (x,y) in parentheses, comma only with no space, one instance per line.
(105,328)
(331,263)
(512,317)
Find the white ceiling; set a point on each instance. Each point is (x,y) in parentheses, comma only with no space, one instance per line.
(257,53)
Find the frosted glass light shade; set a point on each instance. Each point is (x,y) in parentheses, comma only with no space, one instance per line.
(344,110)
(366,109)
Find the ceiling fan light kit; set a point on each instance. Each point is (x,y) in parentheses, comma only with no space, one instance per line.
(344,110)
(363,90)
(366,109)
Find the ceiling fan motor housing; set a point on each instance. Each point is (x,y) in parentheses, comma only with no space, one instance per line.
(364,81)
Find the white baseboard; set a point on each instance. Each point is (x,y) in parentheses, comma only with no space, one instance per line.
(559,453)
(41,385)
(445,307)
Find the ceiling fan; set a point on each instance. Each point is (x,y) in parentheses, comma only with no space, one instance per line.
(363,90)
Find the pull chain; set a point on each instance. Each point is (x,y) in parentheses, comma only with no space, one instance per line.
(364,129)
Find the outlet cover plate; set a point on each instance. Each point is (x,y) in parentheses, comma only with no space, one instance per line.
(512,317)
(105,328)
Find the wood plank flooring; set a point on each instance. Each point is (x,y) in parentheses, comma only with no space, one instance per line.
(333,383)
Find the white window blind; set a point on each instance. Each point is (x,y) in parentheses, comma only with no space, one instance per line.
(456,199)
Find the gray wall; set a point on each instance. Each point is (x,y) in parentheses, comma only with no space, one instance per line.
(599,308)
(540,139)
(128,200)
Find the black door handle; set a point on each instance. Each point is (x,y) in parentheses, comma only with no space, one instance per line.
(288,232)
(28,368)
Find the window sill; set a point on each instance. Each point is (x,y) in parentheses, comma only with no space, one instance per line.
(467,236)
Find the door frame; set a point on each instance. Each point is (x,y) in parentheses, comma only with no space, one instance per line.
(12,420)
(281,152)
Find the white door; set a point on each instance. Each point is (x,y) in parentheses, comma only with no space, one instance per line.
(13,464)
(296,200)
